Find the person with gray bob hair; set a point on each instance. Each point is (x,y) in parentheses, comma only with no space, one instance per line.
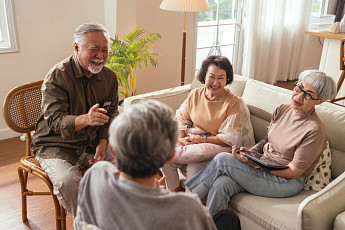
(142,138)
(324,85)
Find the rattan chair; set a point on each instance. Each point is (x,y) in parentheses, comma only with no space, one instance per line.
(21,111)
(342,67)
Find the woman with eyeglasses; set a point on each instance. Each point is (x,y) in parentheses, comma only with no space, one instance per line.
(296,137)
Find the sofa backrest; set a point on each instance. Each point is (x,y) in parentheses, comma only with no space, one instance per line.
(173,97)
(334,118)
(262,99)
(236,87)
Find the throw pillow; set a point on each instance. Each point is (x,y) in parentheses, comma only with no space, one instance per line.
(321,174)
(247,129)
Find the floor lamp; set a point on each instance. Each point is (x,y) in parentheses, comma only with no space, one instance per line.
(184,6)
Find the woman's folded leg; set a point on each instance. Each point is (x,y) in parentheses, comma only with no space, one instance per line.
(212,180)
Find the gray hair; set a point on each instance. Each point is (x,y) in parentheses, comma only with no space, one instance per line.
(79,34)
(143,138)
(324,85)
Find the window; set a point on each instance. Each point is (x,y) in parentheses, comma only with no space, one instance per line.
(7,35)
(320,7)
(218,30)
(319,18)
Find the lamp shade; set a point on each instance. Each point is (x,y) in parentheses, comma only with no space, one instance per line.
(185,5)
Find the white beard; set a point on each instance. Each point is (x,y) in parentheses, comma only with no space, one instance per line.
(93,68)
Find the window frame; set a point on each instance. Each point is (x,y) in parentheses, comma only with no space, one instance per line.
(324,5)
(9,43)
(238,27)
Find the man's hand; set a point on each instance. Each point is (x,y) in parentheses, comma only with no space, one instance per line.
(96,116)
(100,152)
(160,182)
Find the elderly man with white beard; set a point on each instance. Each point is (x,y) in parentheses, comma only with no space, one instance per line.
(79,100)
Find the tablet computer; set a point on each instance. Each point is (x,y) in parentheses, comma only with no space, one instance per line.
(262,161)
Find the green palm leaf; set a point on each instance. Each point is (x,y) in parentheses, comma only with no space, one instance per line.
(126,55)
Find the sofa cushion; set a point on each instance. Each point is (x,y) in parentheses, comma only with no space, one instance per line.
(173,97)
(338,162)
(333,117)
(246,127)
(321,174)
(270,213)
(237,85)
(196,84)
(259,126)
(264,97)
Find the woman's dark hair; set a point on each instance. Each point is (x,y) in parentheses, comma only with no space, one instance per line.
(219,61)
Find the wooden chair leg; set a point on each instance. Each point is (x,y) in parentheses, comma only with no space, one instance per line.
(23,184)
(58,216)
(340,82)
(63,217)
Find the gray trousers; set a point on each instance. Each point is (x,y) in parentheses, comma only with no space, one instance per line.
(66,177)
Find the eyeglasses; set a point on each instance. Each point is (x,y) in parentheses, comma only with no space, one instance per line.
(299,89)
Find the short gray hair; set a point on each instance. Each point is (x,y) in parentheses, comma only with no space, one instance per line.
(79,34)
(143,138)
(324,85)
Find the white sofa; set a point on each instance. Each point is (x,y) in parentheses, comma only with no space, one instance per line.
(309,209)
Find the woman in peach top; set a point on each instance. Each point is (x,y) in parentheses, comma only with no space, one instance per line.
(211,120)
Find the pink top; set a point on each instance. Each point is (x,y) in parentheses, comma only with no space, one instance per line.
(296,138)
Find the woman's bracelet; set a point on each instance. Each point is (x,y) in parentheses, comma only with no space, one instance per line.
(205,137)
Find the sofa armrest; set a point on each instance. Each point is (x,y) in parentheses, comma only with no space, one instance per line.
(173,97)
(339,223)
(319,210)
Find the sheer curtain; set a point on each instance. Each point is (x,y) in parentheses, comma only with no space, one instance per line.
(274,41)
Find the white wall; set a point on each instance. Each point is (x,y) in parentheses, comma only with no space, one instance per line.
(312,55)
(44,31)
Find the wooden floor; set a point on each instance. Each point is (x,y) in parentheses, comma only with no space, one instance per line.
(40,208)
(286,84)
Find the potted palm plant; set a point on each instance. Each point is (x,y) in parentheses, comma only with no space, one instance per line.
(126,56)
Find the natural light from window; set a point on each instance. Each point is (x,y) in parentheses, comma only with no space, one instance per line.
(7,34)
(320,20)
(217,30)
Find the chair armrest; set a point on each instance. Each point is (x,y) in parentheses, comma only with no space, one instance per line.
(319,210)
(173,97)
